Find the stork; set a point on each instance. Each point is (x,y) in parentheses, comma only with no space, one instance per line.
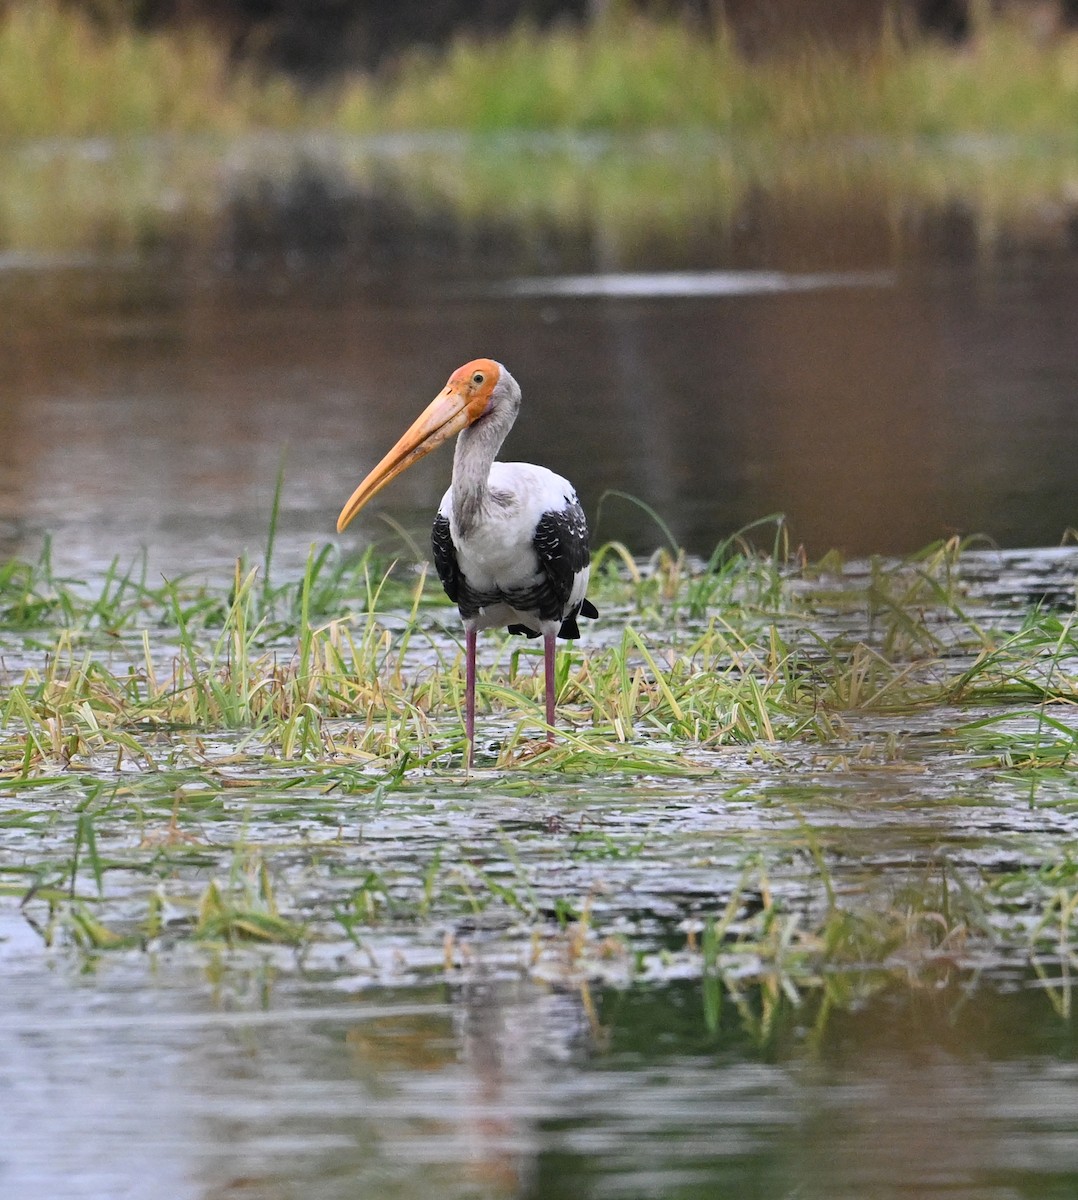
(510,540)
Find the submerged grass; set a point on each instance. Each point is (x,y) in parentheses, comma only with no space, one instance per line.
(343,661)
(60,74)
(191,762)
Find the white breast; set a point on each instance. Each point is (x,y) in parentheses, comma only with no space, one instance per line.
(497,552)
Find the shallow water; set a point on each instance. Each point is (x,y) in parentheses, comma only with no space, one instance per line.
(494,1089)
(372,1069)
(461,1038)
(880,346)
(501,991)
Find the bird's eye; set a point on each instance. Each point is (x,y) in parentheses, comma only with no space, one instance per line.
(477,377)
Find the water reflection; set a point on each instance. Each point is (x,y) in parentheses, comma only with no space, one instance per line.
(303,299)
(628,285)
(281,1086)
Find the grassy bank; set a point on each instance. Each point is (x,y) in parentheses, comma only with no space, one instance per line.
(60,76)
(634,74)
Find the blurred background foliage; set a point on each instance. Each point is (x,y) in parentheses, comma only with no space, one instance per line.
(780,69)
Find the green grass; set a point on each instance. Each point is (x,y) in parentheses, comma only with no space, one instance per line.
(627,73)
(725,653)
(197,764)
(60,75)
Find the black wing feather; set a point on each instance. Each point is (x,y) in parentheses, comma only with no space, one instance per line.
(445,558)
(561,545)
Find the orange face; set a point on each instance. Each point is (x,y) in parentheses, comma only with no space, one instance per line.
(463,400)
(474,383)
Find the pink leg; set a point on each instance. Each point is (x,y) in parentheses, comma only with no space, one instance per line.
(469,686)
(548,670)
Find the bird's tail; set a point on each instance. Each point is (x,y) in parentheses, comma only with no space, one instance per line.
(569,628)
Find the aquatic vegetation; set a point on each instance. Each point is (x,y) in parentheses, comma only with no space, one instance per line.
(731,651)
(707,655)
(192,762)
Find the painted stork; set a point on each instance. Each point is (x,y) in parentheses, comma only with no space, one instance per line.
(510,540)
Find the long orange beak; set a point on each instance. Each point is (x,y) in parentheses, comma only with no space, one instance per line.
(446,415)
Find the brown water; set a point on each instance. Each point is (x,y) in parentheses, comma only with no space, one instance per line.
(883,363)
(885,348)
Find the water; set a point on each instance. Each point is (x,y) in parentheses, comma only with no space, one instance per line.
(122,1080)
(497,1065)
(885,357)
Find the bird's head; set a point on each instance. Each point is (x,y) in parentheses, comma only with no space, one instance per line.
(471,393)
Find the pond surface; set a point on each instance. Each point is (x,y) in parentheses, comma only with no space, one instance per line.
(373,1069)
(500,991)
(503,993)
(882,345)
(119,1085)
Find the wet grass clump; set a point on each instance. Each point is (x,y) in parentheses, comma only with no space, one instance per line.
(741,650)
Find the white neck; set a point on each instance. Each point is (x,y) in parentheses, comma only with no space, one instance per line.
(476,449)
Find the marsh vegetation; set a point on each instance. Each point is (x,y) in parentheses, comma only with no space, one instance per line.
(61,74)
(187,762)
